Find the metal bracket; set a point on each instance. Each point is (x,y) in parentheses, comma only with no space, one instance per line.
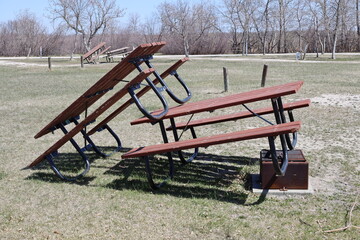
(177,138)
(280,169)
(168,90)
(280,118)
(50,158)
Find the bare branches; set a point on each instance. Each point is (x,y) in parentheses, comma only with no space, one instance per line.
(187,22)
(349,223)
(87,17)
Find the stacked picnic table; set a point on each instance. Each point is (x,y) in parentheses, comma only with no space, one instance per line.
(93,54)
(281,134)
(122,52)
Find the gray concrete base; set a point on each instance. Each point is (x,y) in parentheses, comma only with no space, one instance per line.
(256,188)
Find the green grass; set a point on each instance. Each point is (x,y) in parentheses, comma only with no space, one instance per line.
(207,199)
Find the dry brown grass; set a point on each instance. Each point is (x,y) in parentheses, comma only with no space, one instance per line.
(208,199)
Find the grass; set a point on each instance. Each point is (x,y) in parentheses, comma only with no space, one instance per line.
(208,199)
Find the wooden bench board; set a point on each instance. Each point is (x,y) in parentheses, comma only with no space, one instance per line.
(93,50)
(239,115)
(107,104)
(272,130)
(117,51)
(228,101)
(104,50)
(139,94)
(108,81)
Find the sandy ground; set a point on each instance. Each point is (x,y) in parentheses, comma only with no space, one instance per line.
(350,101)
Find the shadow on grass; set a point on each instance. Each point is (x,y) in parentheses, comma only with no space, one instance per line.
(70,165)
(210,177)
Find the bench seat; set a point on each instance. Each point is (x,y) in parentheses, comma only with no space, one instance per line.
(239,115)
(227,101)
(268,131)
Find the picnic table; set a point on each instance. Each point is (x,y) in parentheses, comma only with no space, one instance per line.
(281,134)
(93,54)
(123,52)
(139,59)
(281,128)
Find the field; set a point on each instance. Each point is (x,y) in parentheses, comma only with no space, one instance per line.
(209,198)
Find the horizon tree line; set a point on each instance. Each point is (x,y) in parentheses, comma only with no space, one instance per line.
(231,26)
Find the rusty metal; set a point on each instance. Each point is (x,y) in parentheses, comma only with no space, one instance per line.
(296,176)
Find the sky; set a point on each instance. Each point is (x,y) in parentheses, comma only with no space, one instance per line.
(11,8)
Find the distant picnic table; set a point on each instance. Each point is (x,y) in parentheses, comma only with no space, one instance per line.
(123,52)
(94,53)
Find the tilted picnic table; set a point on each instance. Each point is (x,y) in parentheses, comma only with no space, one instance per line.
(139,59)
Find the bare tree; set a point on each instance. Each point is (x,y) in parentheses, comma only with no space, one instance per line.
(336,28)
(153,29)
(315,16)
(85,17)
(22,36)
(357,14)
(187,22)
(229,14)
(239,16)
(245,14)
(261,20)
(284,16)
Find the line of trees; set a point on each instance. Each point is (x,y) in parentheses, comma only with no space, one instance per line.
(231,26)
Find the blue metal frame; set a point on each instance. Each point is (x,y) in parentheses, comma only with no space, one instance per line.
(146,59)
(90,146)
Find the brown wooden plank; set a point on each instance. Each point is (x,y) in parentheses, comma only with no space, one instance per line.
(104,50)
(119,72)
(117,51)
(139,94)
(239,115)
(93,50)
(118,95)
(272,130)
(228,101)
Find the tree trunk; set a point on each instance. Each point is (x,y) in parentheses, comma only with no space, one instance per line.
(75,46)
(322,46)
(358,23)
(339,3)
(186,46)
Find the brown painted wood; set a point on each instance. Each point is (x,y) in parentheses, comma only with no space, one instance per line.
(239,115)
(93,50)
(118,95)
(273,130)
(105,50)
(139,94)
(228,101)
(109,80)
(297,172)
(117,51)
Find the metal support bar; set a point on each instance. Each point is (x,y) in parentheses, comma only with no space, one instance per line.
(280,169)
(92,144)
(143,109)
(168,90)
(176,138)
(78,149)
(149,175)
(280,118)
(157,92)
